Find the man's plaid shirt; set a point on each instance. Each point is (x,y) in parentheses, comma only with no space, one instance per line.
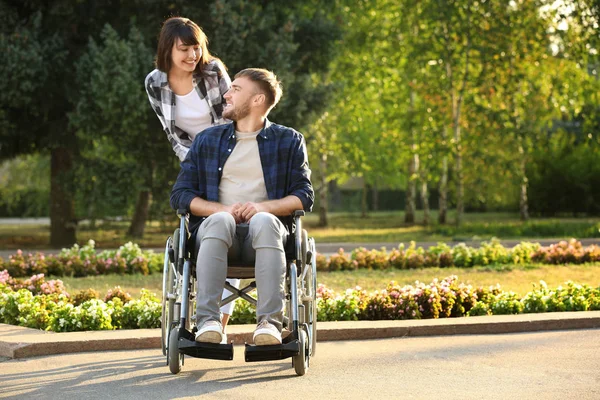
(211,86)
(282,154)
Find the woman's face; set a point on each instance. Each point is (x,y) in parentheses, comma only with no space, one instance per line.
(185,57)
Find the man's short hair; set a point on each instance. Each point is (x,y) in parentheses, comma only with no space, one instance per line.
(267,81)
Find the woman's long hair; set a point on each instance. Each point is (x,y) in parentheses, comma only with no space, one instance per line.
(190,35)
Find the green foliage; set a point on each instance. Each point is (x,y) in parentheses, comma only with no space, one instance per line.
(84,295)
(506,303)
(438,299)
(91,315)
(83,261)
(244,312)
(565,175)
(119,293)
(142,313)
(24,186)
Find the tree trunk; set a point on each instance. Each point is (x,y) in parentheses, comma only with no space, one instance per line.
(363,202)
(413,170)
(443,195)
(411,190)
(375,197)
(425,198)
(63,225)
(140,215)
(323,192)
(142,207)
(335,196)
(523,202)
(460,191)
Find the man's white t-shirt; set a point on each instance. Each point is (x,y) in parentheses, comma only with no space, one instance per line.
(243,178)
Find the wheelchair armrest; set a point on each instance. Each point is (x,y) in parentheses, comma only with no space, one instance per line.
(298,213)
(181,212)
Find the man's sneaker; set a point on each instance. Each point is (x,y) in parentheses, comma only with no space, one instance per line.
(266,334)
(211,332)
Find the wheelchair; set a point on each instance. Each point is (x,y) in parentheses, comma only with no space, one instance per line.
(179,294)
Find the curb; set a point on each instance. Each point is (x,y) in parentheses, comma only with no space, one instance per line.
(19,342)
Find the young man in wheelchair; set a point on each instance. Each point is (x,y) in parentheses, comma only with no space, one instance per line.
(235,181)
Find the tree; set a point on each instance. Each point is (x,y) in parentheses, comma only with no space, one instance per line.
(112,118)
(53,36)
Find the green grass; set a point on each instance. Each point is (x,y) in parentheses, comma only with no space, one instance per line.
(513,278)
(343,227)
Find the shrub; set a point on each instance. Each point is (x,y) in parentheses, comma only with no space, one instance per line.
(117,292)
(462,255)
(10,304)
(37,314)
(340,262)
(506,303)
(85,295)
(488,295)
(142,313)
(522,253)
(243,313)
(322,263)
(396,258)
(536,300)
(490,253)
(479,309)
(90,315)
(129,258)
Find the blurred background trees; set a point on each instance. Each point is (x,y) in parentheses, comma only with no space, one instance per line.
(405,104)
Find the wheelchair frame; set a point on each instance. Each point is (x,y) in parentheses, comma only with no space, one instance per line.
(179,294)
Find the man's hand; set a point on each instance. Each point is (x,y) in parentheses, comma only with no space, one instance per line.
(234,210)
(248,210)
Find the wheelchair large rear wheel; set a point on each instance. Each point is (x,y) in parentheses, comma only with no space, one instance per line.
(309,297)
(174,357)
(168,301)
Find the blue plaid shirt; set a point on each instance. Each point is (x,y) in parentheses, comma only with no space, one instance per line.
(283,157)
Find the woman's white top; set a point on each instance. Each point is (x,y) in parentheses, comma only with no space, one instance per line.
(192,114)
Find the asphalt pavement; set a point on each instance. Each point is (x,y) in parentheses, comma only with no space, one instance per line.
(19,342)
(539,365)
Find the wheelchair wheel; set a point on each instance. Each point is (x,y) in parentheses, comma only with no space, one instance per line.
(301,361)
(174,357)
(168,301)
(309,298)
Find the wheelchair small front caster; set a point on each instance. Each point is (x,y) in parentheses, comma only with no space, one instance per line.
(174,357)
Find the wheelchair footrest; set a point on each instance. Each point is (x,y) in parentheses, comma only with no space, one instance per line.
(270,353)
(188,346)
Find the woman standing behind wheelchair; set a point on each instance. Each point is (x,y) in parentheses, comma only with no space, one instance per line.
(186,91)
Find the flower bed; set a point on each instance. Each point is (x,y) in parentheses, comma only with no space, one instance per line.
(461,255)
(130,259)
(41,304)
(85,261)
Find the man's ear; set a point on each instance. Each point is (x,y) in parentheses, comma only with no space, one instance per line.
(259,99)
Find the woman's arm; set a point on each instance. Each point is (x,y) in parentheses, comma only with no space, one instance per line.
(153,90)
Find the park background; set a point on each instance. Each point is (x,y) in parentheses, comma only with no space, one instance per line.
(423,119)
(429,121)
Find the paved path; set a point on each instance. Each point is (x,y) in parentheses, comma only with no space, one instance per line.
(542,365)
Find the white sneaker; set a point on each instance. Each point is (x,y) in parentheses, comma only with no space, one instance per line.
(266,334)
(211,332)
